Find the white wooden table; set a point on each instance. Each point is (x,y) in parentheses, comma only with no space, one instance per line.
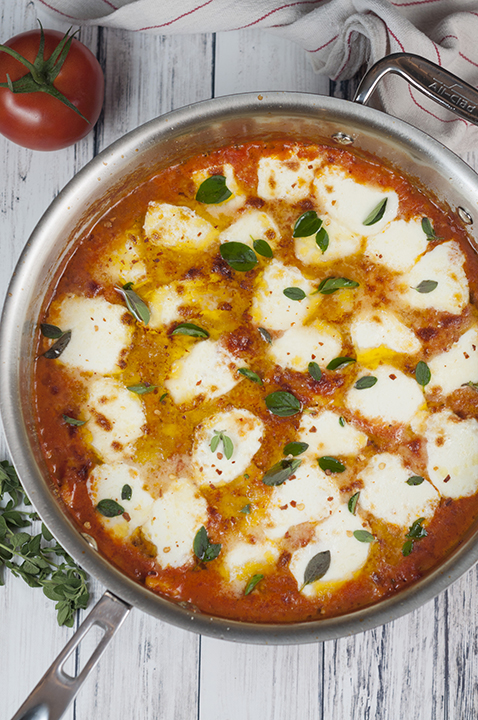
(422,666)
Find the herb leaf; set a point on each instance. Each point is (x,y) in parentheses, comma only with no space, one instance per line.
(265,335)
(322,239)
(294,293)
(317,567)
(213,190)
(352,503)
(415,480)
(73,421)
(314,371)
(407,548)
(238,255)
(471,384)
(364,536)
(135,305)
(228,445)
(279,472)
(282,403)
(263,248)
(427,228)
(255,579)
(416,531)
(52,332)
(332,284)
(422,373)
(250,375)
(190,329)
(340,362)
(426,286)
(377,213)
(203,548)
(307,224)
(141,388)
(330,463)
(126,492)
(57,348)
(295,448)
(246,509)
(367,381)
(110,508)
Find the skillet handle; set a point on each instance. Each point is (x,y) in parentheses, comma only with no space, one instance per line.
(433,81)
(56,689)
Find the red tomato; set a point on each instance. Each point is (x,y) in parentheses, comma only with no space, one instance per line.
(37,120)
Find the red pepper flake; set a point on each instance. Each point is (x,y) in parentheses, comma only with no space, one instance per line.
(392,376)
(447,479)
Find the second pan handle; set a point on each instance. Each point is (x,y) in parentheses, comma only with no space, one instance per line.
(433,81)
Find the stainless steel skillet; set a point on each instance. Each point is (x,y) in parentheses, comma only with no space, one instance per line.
(100,184)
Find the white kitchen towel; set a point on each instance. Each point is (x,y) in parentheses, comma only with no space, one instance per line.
(339,36)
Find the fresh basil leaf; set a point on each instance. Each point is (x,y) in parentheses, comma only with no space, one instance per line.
(57,348)
(282,403)
(295,448)
(427,228)
(426,286)
(214,444)
(342,421)
(377,213)
(416,531)
(294,293)
(246,509)
(190,329)
(126,492)
(238,256)
(141,388)
(203,548)
(135,305)
(263,248)
(352,503)
(330,463)
(471,384)
(317,567)
(307,224)
(280,472)
(415,480)
(332,284)
(407,548)
(255,579)
(322,239)
(228,445)
(422,373)
(340,362)
(314,371)
(52,332)
(213,190)
(73,421)
(163,397)
(364,536)
(110,508)
(265,335)
(250,375)
(367,381)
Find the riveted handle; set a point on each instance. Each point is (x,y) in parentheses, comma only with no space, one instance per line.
(57,689)
(433,81)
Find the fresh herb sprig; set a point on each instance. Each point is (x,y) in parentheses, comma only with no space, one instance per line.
(38,559)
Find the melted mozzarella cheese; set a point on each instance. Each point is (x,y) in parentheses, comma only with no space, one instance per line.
(444,265)
(456,366)
(116,418)
(206,369)
(274,310)
(395,398)
(326,436)
(288,180)
(350,202)
(245,559)
(305,343)
(174,520)
(347,554)
(307,496)
(342,243)
(399,245)
(125,263)
(243,428)
(452,447)
(177,226)
(106,482)
(382,329)
(387,495)
(252,225)
(99,338)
